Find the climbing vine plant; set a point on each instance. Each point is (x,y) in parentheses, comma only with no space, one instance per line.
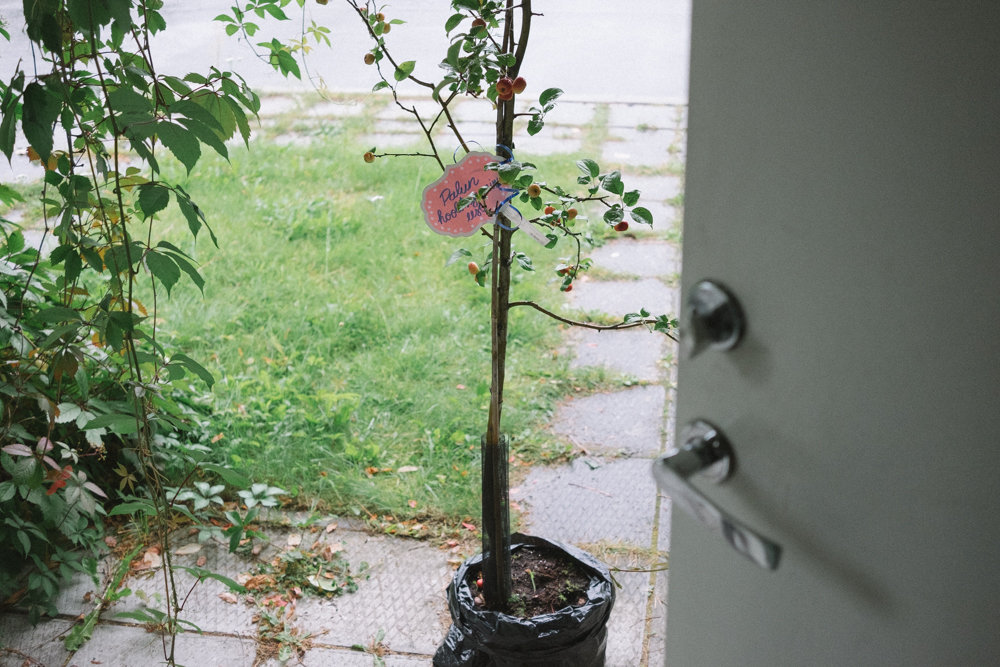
(90,397)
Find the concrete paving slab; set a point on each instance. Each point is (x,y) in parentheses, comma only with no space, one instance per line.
(620,297)
(628,618)
(571,113)
(590,500)
(551,141)
(634,352)
(629,256)
(657,637)
(654,188)
(21,644)
(384,140)
(473,111)
(426,107)
(277,105)
(80,593)
(339,657)
(639,147)
(204,607)
(629,421)
(128,646)
(402,595)
(337,109)
(632,116)
(663,533)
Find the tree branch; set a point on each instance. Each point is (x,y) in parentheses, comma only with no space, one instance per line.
(590,325)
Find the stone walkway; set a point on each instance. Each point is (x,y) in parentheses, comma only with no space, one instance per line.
(604,500)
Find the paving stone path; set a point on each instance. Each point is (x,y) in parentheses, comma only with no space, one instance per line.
(603,500)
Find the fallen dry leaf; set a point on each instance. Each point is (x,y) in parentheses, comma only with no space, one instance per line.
(188,549)
(331,527)
(468,526)
(201,561)
(294,540)
(409,469)
(111,541)
(150,560)
(228,597)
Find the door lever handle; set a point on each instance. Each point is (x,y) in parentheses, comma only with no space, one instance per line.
(704,450)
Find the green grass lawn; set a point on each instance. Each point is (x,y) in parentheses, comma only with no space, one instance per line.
(352,365)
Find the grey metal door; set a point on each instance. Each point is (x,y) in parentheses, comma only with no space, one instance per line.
(844,183)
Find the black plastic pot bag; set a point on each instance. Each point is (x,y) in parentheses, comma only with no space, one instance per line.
(569,637)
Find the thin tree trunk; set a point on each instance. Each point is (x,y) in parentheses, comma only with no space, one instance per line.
(496,519)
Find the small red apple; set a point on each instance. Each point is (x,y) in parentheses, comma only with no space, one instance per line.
(369,58)
(505,88)
(567,288)
(473,268)
(621,226)
(479,582)
(478,23)
(369,157)
(549,210)
(519,85)
(534,190)
(571,213)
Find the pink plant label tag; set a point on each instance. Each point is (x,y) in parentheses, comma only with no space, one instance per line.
(461,180)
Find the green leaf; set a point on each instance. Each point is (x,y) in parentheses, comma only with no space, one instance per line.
(141,506)
(453,22)
(228,475)
(87,15)
(631,197)
(589,167)
(120,424)
(453,52)
(535,124)
(240,117)
(153,198)
(194,367)
(188,268)
(643,215)
(614,215)
(205,134)
(8,115)
(612,182)
(404,70)
(42,24)
(163,268)
(55,314)
(202,573)
(193,214)
(39,114)
(181,142)
(549,95)
(142,615)
(457,255)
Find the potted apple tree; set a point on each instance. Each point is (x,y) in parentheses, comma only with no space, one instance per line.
(488,193)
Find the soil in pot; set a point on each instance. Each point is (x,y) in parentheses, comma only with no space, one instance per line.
(543,582)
